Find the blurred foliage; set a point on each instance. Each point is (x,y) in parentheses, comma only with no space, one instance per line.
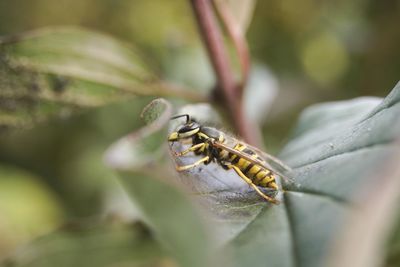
(393,247)
(279,34)
(76,89)
(64,70)
(362,32)
(105,244)
(27,207)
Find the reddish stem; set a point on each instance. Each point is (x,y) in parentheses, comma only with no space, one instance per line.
(226,81)
(236,34)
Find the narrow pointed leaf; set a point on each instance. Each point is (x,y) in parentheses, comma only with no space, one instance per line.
(59,71)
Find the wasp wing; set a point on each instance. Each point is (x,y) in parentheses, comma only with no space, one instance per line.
(271,159)
(276,163)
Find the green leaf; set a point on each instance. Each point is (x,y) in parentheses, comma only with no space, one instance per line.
(61,70)
(336,148)
(94,245)
(79,53)
(139,159)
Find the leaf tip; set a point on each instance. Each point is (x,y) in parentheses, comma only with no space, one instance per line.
(154,110)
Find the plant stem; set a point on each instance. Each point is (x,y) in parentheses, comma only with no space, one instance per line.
(226,84)
(236,34)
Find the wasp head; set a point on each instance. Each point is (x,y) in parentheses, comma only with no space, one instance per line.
(187,130)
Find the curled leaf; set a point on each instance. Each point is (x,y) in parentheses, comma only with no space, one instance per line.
(140,161)
(137,150)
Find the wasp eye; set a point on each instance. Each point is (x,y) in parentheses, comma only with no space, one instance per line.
(184,129)
(188,130)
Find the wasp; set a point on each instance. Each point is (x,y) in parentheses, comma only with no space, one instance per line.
(215,146)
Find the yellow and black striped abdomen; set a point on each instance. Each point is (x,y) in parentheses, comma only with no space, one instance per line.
(258,174)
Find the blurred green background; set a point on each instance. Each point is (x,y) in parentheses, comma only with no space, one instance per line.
(314,51)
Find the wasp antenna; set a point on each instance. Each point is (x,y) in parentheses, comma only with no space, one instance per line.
(183,115)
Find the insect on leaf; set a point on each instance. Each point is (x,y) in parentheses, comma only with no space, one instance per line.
(336,149)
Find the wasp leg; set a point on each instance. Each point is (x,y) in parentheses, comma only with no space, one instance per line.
(186,167)
(247,180)
(191,149)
